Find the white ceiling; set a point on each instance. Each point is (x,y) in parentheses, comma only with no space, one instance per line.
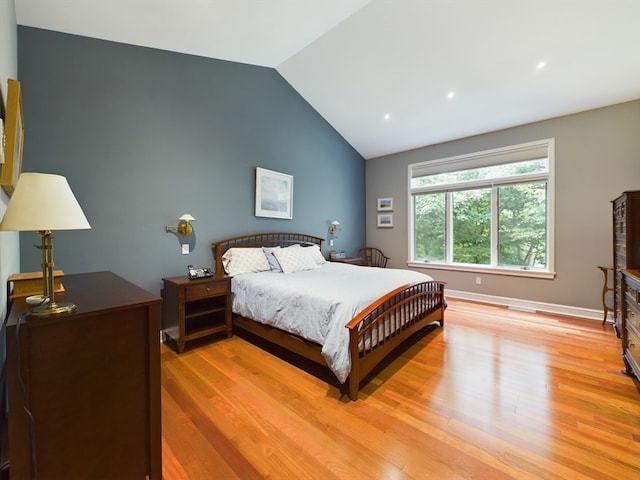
(356,61)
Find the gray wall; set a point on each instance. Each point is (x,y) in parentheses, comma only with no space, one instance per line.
(597,158)
(144,135)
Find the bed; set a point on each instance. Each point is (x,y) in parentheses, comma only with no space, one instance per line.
(350,318)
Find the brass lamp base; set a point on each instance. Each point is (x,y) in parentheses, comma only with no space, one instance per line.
(52,309)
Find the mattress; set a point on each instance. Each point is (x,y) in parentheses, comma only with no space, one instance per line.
(317,304)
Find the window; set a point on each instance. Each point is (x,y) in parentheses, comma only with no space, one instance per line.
(488,210)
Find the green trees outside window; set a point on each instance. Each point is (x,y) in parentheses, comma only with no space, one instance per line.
(494,215)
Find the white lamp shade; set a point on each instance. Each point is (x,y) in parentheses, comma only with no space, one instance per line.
(43,201)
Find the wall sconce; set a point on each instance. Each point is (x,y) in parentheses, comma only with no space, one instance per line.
(184,228)
(334,227)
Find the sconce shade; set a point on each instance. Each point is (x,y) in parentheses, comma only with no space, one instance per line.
(43,202)
(334,226)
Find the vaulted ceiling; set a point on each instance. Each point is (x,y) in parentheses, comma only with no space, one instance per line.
(392,75)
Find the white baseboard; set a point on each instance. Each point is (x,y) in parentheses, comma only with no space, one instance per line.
(529,305)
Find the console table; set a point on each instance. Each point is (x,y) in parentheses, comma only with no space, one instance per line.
(605,289)
(91,382)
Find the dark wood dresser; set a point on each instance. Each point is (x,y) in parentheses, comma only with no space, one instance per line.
(626,244)
(91,381)
(630,324)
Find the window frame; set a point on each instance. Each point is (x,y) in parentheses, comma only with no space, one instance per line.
(497,156)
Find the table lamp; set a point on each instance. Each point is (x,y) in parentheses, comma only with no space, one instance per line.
(44,203)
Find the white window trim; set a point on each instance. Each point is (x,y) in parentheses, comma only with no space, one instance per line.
(485,158)
(459,267)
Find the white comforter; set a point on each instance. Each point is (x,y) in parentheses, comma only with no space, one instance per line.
(317,304)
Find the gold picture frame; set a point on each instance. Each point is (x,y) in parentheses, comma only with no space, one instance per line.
(14,137)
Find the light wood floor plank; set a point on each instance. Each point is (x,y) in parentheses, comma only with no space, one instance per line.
(497,394)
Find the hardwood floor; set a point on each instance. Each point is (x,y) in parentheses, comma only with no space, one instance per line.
(496,394)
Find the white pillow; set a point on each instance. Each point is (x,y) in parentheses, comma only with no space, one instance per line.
(244,260)
(271,258)
(316,254)
(295,259)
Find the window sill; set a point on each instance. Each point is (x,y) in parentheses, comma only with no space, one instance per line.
(514,272)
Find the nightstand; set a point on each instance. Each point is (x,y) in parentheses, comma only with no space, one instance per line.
(351,260)
(194,309)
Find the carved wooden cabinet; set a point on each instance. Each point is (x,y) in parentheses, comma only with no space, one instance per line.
(626,244)
(91,382)
(630,324)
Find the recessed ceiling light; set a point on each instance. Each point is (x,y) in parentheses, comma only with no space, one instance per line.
(451,94)
(387,116)
(541,65)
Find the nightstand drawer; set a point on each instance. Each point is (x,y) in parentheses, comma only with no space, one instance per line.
(204,290)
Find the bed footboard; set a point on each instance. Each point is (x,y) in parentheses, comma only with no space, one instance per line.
(386,323)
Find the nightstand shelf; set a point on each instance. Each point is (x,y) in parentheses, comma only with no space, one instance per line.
(194,309)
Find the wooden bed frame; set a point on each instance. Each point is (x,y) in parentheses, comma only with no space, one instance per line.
(374,333)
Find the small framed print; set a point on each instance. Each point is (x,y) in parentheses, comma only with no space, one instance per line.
(385,220)
(385,204)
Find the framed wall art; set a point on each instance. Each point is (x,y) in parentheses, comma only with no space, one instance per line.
(385,220)
(14,138)
(274,194)
(385,204)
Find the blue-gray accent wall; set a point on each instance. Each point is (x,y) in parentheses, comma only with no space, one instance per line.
(145,135)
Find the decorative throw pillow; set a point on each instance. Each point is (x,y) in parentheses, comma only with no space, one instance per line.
(295,259)
(316,254)
(271,258)
(244,260)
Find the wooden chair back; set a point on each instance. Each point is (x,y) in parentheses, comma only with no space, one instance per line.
(373,257)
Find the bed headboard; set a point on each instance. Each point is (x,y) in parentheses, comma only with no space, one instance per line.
(268,239)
